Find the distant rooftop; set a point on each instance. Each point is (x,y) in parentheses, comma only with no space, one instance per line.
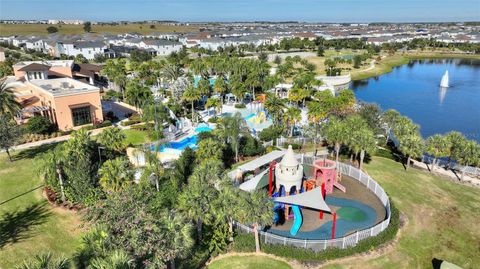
(52,63)
(64,86)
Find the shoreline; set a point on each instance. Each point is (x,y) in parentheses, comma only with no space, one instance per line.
(387,64)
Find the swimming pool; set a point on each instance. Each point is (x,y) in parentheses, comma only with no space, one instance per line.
(196,79)
(352,216)
(203,128)
(177,147)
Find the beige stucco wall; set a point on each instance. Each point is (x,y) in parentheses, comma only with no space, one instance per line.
(61,113)
(63,106)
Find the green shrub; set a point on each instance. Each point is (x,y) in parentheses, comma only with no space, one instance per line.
(213,120)
(105,123)
(140,127)
(240,105)
(246,243)
(40,125)
(130,122)
(250,146)
(294,146)
(270,133)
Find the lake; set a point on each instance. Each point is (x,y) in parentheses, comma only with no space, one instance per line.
(414,90)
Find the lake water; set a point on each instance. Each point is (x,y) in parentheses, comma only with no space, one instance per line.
(414,90)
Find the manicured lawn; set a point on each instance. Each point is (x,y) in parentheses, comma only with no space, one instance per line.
(442,219)
(28,224)
(136,137)
(41,29)
(248,262)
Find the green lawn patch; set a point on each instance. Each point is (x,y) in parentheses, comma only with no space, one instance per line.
(29,225)
(136,137)
(248,262)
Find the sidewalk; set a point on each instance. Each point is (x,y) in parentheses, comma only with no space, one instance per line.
(53,140)
(448,173)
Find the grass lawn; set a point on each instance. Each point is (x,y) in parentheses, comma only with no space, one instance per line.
(387,63)
(136,137)
(28,224)
(442,220)
(319,61)
(248,262)
(41,29)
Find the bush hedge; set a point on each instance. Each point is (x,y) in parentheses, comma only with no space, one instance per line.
(240,105)
(246,243)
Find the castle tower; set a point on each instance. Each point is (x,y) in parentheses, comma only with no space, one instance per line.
(289,172)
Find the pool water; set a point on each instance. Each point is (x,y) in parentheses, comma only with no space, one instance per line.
(196,79)
(190,142)
(203,129)
(352,216)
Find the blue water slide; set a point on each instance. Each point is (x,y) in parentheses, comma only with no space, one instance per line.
(297,222)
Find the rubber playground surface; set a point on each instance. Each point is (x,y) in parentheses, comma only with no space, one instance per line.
(352,216)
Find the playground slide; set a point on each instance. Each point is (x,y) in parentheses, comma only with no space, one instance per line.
(340,186)
(297,222)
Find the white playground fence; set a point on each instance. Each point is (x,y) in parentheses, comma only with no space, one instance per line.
(341,242)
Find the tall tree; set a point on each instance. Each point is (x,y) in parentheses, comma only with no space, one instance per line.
(8,103)
(410,140)
(87,26)
(115,174)
(191,95)
(274,105)
(336,133)
(112,139)
(437,146)
(49,166)
(9,133)
(258,210)
(291,117)
(209,149)
(232,128)
(389,122)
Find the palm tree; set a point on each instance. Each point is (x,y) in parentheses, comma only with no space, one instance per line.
(116,259)
(214,102)
(196,201)
(291,117)
(154,167)
(46,261)
(316,113)
(49,166)
(457,142)
(336,133)
(209,149)
(258,210)
(171,72)
(179,234)
(113,139)
(365,138)
(115,174)
(227,204)
(411,142)
(437,146)
(390,119)
(191,95)
(232,128)
(203,87)
(8,104)
(220,87)
(137,94)
(274,106)
(470,155)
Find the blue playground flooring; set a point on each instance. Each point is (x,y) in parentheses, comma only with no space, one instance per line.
(352,216)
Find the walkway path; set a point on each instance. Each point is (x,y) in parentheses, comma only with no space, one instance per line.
(448,173)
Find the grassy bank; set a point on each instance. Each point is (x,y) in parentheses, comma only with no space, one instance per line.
(29,225)
(41,29)
(248,262)
(442,217)
(388,62)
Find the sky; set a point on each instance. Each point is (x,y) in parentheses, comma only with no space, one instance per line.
(245,10)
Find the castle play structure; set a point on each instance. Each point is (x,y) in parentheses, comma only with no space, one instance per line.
(291,189)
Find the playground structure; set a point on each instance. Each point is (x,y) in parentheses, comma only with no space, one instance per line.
(292,190)
(348,217)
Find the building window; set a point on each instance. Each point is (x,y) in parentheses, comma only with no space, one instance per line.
(81,115)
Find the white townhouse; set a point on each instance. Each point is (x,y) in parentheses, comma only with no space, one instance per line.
(86,48)
(161,46)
